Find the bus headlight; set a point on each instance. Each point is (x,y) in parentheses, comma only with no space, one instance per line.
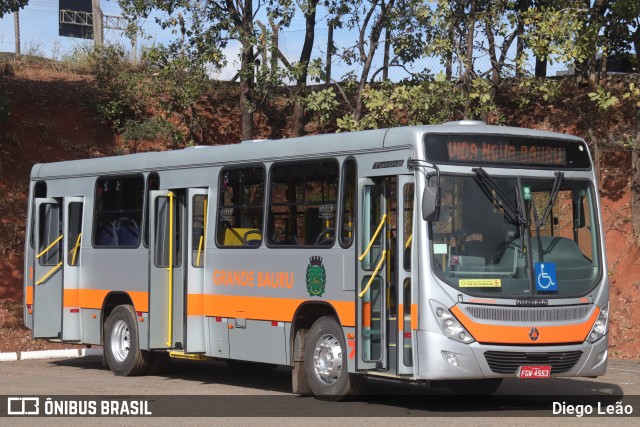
(449,324)
(599,328)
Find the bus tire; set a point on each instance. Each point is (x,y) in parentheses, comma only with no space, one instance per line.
(121,343)
(325,362)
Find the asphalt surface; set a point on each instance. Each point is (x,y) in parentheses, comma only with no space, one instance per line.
(246,397)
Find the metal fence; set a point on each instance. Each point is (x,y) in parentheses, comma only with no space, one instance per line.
(39,25)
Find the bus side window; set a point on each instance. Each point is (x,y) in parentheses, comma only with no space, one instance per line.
(118,211)
(240,207)
(348,203)
(302,205)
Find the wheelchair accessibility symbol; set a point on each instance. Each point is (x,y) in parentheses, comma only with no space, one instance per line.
(546,276)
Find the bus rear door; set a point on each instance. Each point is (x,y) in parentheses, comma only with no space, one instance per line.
(47,269)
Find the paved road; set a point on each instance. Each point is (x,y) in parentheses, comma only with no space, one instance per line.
(266,400)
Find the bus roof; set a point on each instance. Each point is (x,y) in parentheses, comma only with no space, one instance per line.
(275,150)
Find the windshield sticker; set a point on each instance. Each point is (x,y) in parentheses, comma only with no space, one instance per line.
(527,192)
(439,248)
(480,283)
(546,276)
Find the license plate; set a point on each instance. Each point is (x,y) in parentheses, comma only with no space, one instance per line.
(534,372)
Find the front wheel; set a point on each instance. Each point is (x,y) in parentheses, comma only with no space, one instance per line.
(121,343)
(325,362)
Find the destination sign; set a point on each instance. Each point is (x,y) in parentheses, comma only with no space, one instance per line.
(504,152)
(508,151)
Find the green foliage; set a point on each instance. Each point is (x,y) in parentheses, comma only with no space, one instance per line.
(633,94)
(124,90)
(155,128)
(533,90)
(603,98)
(8,6)
(413,104)
(323,103)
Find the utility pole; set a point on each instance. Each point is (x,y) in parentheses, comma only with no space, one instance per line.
(97,23)
(16,24)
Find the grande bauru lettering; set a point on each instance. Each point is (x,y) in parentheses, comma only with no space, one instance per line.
(251,279)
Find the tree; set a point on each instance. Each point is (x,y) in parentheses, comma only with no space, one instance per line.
(301,72)
(209,26)
(9,6)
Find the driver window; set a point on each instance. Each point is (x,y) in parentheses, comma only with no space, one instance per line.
(240,208)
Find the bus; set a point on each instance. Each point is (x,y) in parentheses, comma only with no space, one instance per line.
(456,254)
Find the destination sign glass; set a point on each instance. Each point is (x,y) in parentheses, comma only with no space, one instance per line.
(509,151)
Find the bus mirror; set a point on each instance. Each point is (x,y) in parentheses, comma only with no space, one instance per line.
(431,203)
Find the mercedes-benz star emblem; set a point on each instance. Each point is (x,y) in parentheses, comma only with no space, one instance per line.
(534,334)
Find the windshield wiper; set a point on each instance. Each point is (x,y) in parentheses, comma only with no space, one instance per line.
(513,213)
(541,221)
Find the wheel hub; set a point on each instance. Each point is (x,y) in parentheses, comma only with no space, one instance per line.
(327,359)
(120,341)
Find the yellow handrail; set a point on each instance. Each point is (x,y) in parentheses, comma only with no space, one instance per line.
(49,247)
(375,236)
(46,276)
(199,251)
(75,249)
(170,270)
(375,273)
(204,230)
(406,246)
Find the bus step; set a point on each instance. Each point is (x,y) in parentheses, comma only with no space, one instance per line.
(190,356)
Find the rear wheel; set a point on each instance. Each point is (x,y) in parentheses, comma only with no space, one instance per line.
(121,343)
(325,362)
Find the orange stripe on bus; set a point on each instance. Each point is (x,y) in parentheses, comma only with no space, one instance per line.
(400,318)
(503,334)
(29,297)
(366,314)
(259,308)
(414,316)
(94,298)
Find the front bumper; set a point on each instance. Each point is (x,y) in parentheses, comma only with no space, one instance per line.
(472,363)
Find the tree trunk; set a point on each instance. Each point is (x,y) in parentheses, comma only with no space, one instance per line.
(327,78)
(541,67)
(16,23)
(301,81)
(374,39)
(247,71)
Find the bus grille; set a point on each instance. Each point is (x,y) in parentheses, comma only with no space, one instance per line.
(526,314)
(506,362)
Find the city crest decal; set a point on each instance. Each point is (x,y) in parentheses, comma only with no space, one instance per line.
(316,277)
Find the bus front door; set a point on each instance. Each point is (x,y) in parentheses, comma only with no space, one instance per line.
(371,295)
(384,294)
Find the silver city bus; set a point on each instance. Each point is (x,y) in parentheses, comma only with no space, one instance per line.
(461,253)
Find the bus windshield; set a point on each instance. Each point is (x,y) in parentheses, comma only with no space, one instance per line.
(515,238)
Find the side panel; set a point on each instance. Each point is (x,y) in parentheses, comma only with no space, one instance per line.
(255,340)
(47,295)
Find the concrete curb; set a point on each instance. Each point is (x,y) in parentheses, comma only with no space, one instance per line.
(50,354)
(8,357)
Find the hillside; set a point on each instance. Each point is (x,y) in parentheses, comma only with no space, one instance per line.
(52,117)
